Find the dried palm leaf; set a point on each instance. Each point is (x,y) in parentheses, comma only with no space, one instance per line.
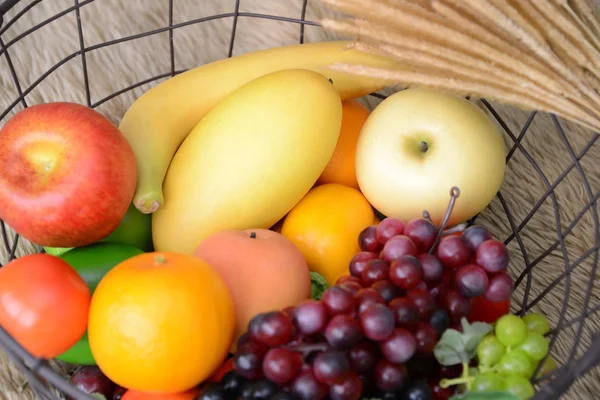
(534,54)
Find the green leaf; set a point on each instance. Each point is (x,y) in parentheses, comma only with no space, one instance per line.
(455,347)
(318,285)
(485,396)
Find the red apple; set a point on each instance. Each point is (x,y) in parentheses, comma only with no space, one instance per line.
(67,175)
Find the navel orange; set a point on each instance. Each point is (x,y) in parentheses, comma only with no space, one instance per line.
(325,225)
(341,166)
(160,322)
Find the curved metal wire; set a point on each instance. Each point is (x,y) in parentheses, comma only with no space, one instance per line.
(42,378)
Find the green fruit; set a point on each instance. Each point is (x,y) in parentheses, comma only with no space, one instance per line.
(519,386)
(488,382)
(537,323)
(92,263)
(510,330)
(517,363)
(135,229)
(490,350)
(535,346)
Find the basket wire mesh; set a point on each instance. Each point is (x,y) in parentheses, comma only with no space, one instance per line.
(45,381)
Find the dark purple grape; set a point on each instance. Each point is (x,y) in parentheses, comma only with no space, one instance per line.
(90,379)
(248,360)
(432,268)
(457,305)
(367,239)
(310,316)
(271,329)
(406,272)
(424,301)
(474,236)
(492,256)
(232,383)
(281,365)
(377,322)
(259,390)
(363,356)
(307,387)
(350,388)
(213,391)
(471,281)
(359,261)
(282,395)
(338,300)
(388,290)
(406,314)
(331,366)
(439,321)
(422,232)
(366,297)
(418,391)
(453,252)
(397,247)
(426,338)
(352,287)
(244,338)
(500,288)
(390,377)
(399,347)
(343,332)
(118,393)
(374,271)
(388,228)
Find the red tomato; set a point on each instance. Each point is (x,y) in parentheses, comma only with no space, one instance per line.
(221,371)
(134,395)
(483,310)
(44,304)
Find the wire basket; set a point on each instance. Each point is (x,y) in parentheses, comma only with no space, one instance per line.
(534,217)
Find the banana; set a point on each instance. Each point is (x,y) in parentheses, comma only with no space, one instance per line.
(159,121)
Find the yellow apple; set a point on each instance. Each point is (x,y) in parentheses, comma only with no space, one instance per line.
(419,143)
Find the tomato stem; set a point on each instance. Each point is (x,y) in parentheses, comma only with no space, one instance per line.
(252,235)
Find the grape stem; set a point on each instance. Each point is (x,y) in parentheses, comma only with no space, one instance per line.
(455,229)
(464,378)
(306,349)
(454,193)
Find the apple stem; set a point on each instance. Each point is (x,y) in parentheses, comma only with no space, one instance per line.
(454,193)
(424,146)
(252,235)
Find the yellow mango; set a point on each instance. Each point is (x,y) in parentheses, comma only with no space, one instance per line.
(250,159)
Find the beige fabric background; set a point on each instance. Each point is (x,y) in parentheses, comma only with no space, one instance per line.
(113,68)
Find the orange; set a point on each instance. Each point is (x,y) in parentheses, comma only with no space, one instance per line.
(187,395)
(325,225)
(341,167)
(161,323)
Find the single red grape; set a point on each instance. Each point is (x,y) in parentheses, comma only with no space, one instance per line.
(350,388)
(366,297)
(390,377)
(453,252)
(500,287)
(432,268)
(307,387)
(281,365)
(388,290)
(374,271)
(248,360)
(399,347)
(352,287)
(364,356)
(91,380)
(406,272)
(271,329)
(389,228)
(424,301)
(439,321)
(492,256)
(406,313)
(331,366)
(471,280)
(426,338)
(310,316)
(338,300)
(422,232)
(367,239)
(359,261)
(474,236)
(348,278)
(483,310)
(457,305)
(343,332)
(437,391)
(397,247)
(377,322)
